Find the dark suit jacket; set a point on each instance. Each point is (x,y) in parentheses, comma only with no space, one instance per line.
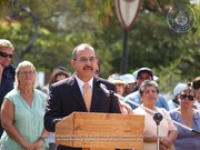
(65,97)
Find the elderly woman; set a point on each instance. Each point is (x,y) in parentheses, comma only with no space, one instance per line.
(22,113)
(168,132)
(190,117)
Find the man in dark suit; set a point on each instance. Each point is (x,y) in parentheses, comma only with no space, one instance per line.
(66,96)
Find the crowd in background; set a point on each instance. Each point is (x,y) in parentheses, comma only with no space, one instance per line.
(24,107)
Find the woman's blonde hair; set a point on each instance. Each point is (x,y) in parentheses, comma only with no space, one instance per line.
(21,65)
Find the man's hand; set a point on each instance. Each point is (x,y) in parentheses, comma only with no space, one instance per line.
(125,108)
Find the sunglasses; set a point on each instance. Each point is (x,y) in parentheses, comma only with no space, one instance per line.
(184,96)
(5,55)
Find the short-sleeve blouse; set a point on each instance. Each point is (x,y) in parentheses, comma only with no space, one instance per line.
(27,120)
(151,128)
(187,140)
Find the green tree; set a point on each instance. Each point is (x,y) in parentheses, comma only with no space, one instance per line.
(45,32)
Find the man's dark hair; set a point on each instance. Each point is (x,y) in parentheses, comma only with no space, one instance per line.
(196,83)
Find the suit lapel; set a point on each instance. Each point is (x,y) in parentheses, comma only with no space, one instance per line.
(77,94)
(96,96)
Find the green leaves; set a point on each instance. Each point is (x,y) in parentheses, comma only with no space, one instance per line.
(59,26)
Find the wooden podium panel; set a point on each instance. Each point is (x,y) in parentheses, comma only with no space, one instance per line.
(101,131)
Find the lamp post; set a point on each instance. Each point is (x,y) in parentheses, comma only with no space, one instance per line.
(127,13)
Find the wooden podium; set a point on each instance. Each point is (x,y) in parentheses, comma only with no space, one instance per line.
(98,131)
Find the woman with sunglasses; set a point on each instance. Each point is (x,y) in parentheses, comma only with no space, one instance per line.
(188,116)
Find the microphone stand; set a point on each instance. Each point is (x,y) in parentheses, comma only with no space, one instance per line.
(157,118)
(121,98)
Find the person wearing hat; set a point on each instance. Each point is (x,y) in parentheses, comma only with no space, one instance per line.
(141,75)
(120,85)
(131,83)
(174,103)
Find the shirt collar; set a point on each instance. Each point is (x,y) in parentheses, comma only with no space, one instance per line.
(81,83)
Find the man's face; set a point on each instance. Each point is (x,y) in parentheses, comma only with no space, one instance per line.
(85,63)
(144,75)
(129,88)
(5,56)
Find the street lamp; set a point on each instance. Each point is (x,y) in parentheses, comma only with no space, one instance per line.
(127,13)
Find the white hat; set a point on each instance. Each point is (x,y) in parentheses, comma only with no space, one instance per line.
(156,78)
(179,87)
(116,79)
(128,78)
(135,75)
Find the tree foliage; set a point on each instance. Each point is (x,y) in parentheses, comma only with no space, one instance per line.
(45,32)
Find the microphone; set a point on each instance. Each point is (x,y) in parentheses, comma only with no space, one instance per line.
(157,118)
(103,88)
